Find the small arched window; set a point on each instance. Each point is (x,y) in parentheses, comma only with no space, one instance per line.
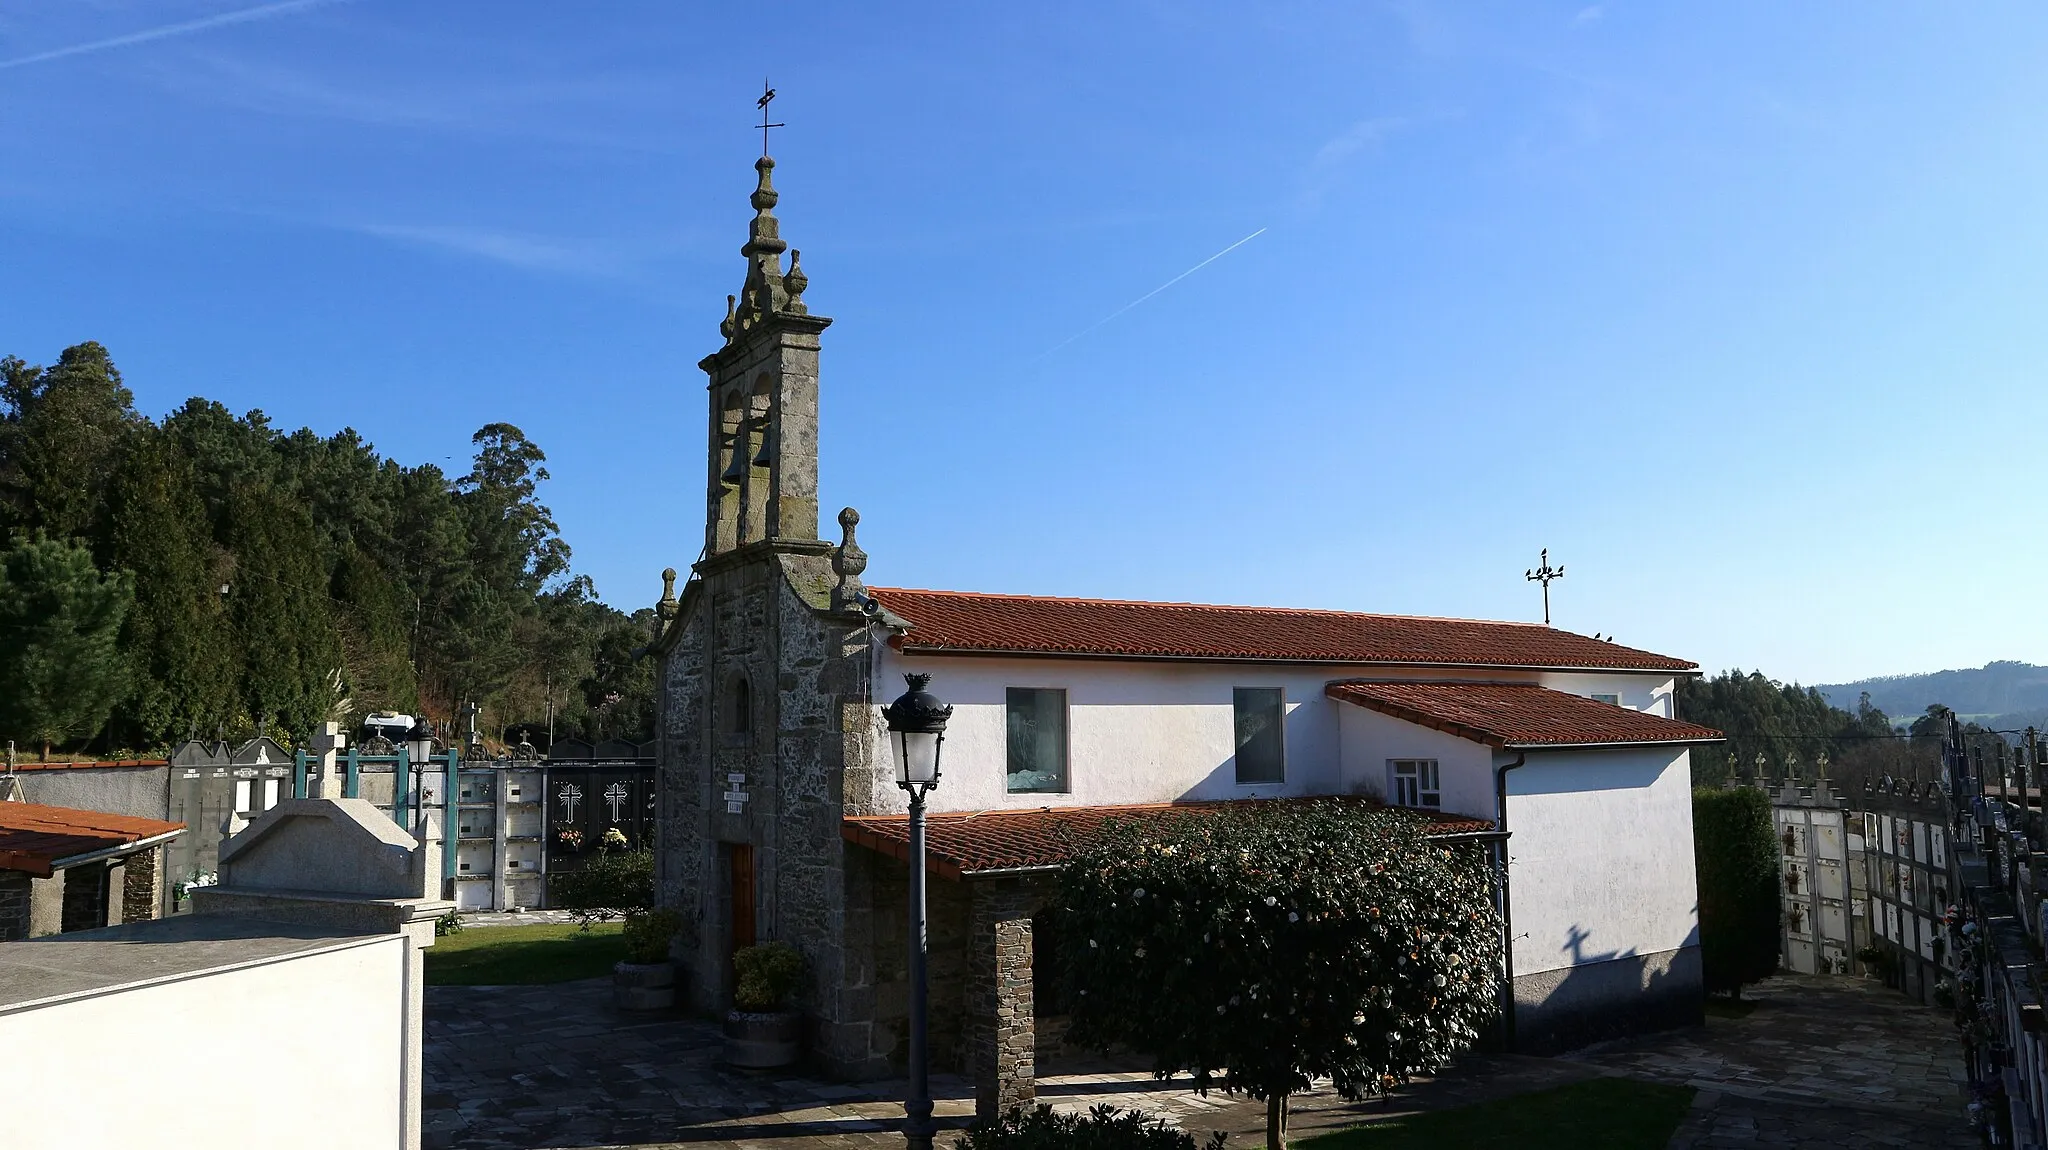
(739,710)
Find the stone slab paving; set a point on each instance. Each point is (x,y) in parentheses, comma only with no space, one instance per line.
(1820,1062)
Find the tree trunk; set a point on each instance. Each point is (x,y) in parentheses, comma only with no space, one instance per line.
(1276,1122)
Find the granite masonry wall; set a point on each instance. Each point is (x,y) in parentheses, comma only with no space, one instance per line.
(15,889)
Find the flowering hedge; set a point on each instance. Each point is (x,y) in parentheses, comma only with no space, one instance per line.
(1265,945)
(1104,1127)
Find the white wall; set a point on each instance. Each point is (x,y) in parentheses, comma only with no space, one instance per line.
(1601,856)
(1371,739)
(1163,731)
(325,1029)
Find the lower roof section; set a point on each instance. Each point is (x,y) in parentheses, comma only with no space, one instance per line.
(966,844)
(1519,716)
(40,839)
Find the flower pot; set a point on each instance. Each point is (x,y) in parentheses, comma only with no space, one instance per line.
(762,1040)
(644,985)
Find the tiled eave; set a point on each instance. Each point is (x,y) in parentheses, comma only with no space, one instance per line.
(985,844)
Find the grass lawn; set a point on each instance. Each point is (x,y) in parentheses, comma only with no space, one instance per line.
(523,955)
(1599,1114)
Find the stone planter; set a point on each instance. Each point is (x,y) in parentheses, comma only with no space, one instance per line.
(763,1041)
(644,985)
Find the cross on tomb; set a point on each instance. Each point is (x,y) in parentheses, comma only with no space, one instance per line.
(569,795)
(614,797)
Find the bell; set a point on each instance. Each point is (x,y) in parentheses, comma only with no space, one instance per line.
(736,470)
(764,456)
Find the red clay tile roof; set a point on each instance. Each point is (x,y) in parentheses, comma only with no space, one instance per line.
(963,622)
(1515,716)
(33,837)
(963,844)
(34,766)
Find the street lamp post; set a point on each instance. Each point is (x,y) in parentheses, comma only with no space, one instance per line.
(917,726)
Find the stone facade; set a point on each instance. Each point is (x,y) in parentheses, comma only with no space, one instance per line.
(141,883)
(16,890)
(764,692)
(1001,1016)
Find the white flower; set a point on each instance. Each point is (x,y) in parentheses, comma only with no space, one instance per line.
(1091,944)
(1358,1019)
(1138,893)
(1293,917)
(1141,952)
(1271,901)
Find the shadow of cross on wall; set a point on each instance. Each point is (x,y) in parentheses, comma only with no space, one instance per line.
(1605,994)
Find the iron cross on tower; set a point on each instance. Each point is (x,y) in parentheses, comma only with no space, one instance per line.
(1544,574)
(767,94)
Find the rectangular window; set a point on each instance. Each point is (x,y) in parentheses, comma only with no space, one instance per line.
(242,789)
(269,793)
(1415,784)
(1610,700)
(1037,718)
(1260,714)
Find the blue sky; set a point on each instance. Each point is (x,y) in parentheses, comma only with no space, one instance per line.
(1735,307)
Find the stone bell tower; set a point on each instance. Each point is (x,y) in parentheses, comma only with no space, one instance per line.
(762,481)
(765,740)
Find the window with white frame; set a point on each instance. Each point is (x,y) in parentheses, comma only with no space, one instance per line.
(1413,783)
(1610,700)
(1260,714)
(1037,721)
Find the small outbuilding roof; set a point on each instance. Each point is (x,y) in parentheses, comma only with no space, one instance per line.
(971,623)
(969,843)
(41,840)
(1519,716)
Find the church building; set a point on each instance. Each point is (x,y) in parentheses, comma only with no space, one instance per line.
(779,818)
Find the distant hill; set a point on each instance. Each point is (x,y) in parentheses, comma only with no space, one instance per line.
(2004,694)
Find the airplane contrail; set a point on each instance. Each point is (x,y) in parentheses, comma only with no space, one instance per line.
(1150,294)
(163,32)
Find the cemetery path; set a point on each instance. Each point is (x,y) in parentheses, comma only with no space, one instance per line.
(1820,1063)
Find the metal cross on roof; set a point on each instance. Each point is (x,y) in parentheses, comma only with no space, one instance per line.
(1544,574)
(767,94)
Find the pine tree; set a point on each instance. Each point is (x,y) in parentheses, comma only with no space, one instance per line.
(68,426)
(291,655)
(181,663)
(60,626)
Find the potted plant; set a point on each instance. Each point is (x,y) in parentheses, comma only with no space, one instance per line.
(646,980)
(762,1031)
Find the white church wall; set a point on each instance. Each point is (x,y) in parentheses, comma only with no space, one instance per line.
(1372,741)
(1601,855)
(334,1020)
(1142,731)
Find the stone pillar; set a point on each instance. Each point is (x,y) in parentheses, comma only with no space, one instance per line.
(46,906)
(15,892)
(142,886)
(1001,1031)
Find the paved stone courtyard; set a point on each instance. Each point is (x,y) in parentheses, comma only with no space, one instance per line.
(1819,1063)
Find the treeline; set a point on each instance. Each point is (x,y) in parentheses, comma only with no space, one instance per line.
(1783,730)
(209,572)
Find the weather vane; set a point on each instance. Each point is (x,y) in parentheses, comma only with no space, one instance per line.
(1544,574)
(767,94)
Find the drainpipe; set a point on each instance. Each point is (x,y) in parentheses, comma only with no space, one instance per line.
(1505,906)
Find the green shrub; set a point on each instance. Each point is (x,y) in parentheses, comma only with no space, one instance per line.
(1736,856)
(1261,947)
(1104,1128)
(648,933)
(614,884)
(447,924)
(769,975)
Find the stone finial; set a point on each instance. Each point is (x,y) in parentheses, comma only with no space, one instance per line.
(666,607)
(730,323)
(796,281)
(848,561)
(764,246)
